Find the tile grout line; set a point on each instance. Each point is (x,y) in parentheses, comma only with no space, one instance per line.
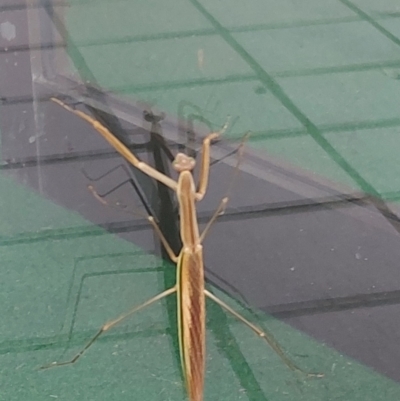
(364,16)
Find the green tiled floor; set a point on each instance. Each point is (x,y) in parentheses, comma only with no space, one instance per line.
(146,58)
(345,98)
(98,22)
(374,152)
(300,48)
(326,62)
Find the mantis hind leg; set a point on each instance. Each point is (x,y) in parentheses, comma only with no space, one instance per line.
(268,337)
(107,326)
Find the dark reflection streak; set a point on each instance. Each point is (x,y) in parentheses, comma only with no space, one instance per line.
(280,208)
(70,157)
(133,226)
(24,6)
(168,219)
(7,101)
(63,158)
(337,304)
(167,206)
(28,48)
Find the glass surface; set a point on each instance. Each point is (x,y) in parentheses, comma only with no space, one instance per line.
(308,247)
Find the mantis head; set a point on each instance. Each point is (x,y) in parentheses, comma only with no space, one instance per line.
(183,162)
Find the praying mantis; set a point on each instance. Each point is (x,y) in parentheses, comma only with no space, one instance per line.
(190,285)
